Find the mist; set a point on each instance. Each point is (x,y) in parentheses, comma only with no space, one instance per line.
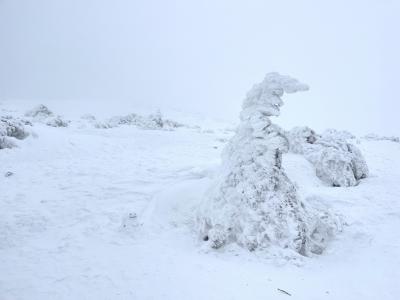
(202,57)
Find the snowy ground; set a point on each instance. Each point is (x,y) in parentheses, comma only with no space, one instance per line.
(106,214)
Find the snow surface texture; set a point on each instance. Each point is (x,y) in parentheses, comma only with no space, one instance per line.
(12,129)
(337,161)
(254,204)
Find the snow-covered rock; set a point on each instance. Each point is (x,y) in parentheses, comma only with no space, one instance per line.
(337,161)
(254,204)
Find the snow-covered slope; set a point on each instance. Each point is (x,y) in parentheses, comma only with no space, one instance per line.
(106,214)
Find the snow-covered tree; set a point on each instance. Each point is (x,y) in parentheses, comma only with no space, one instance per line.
(254,204)
(337,161)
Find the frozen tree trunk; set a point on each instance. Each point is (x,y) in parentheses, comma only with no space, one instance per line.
(254,204)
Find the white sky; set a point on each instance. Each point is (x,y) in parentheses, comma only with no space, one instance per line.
(202,56)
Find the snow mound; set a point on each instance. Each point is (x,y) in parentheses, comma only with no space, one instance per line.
(375,137)
(253,203)
(12,129)
(44,115)
(337,161)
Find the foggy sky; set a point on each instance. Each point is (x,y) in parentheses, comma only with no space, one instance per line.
(203,56)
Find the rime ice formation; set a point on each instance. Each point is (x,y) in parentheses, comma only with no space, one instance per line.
(254,204)
(10,130)
(42,114)
(337,161)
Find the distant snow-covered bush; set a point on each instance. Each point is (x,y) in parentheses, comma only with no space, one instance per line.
(375,137)
(57,121)
(43,115)
(337,161)
(253,203)
(335,134)
(153,121)
(39,112)
(11,129)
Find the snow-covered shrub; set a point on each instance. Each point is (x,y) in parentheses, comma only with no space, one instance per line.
(153,121)
(39,112)
(335,134)
(254,204)
(57,121)
(300,138)
(6,142)
(43,115)
(88,117)
(337,161)
(359,164)
(11,128)
(87,121)
(334,167)
(375,137)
